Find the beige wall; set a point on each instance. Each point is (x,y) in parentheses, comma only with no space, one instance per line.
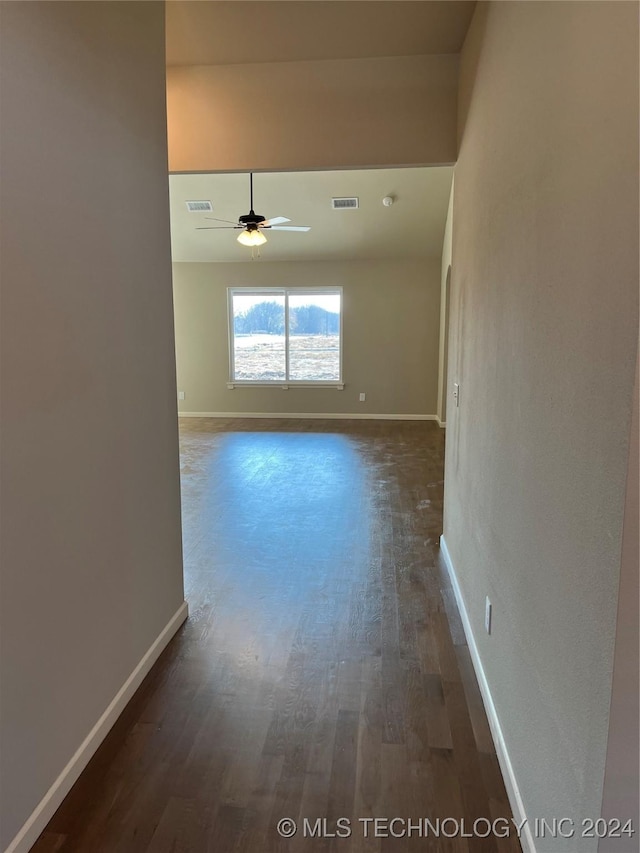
(543,343)
(331,114)
(91,550)
(390,334)
(445,310)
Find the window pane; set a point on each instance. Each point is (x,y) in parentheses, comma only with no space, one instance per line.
(258,337)
(314,336)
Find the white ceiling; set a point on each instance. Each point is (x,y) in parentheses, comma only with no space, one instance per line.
(219,32)
(413,227)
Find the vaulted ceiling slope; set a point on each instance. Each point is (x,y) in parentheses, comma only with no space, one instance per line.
(228,32)
(411,228)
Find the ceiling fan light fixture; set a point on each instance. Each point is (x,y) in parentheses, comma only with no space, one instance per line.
(253,237)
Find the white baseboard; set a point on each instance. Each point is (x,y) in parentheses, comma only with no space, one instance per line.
(442,424)
(510,781)
(318,415)
(47,807)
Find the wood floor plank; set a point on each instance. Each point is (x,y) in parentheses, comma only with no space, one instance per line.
(479,722)
(474,794)
(180,828)
(435,712)
(258,824)
(342,784)
(323,672)
(49,842)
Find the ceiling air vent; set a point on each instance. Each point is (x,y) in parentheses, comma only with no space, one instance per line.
(199,206)
(344,203)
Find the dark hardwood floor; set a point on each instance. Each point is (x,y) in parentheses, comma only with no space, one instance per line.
(323,672)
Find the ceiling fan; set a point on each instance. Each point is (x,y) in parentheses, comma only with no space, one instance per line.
(252,226)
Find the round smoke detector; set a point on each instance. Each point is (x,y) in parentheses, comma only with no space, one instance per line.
(388,200)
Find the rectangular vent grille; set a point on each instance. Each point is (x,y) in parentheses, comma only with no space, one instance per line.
(199,206)
(344,203)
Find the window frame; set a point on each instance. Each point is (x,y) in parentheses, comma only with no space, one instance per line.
(282,383)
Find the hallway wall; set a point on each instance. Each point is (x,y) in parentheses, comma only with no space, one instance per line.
(91,539)
(391,314)
(543,343)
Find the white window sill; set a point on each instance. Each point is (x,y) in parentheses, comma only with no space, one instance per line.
(285,386)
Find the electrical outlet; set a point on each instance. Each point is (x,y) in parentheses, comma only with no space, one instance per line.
(363,397)
(487,615)
(180,395)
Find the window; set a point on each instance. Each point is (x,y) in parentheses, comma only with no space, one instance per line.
(285,335)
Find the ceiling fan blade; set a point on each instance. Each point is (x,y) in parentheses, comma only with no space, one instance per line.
(215,219)
(277,220)
(290,228)
(217,227)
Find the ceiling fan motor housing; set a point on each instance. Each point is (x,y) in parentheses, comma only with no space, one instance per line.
(251,220)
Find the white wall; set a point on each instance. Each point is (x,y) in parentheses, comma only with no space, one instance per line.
(91,542)
(391,313)
(543,344)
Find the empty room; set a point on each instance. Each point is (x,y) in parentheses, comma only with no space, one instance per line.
(319,426)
